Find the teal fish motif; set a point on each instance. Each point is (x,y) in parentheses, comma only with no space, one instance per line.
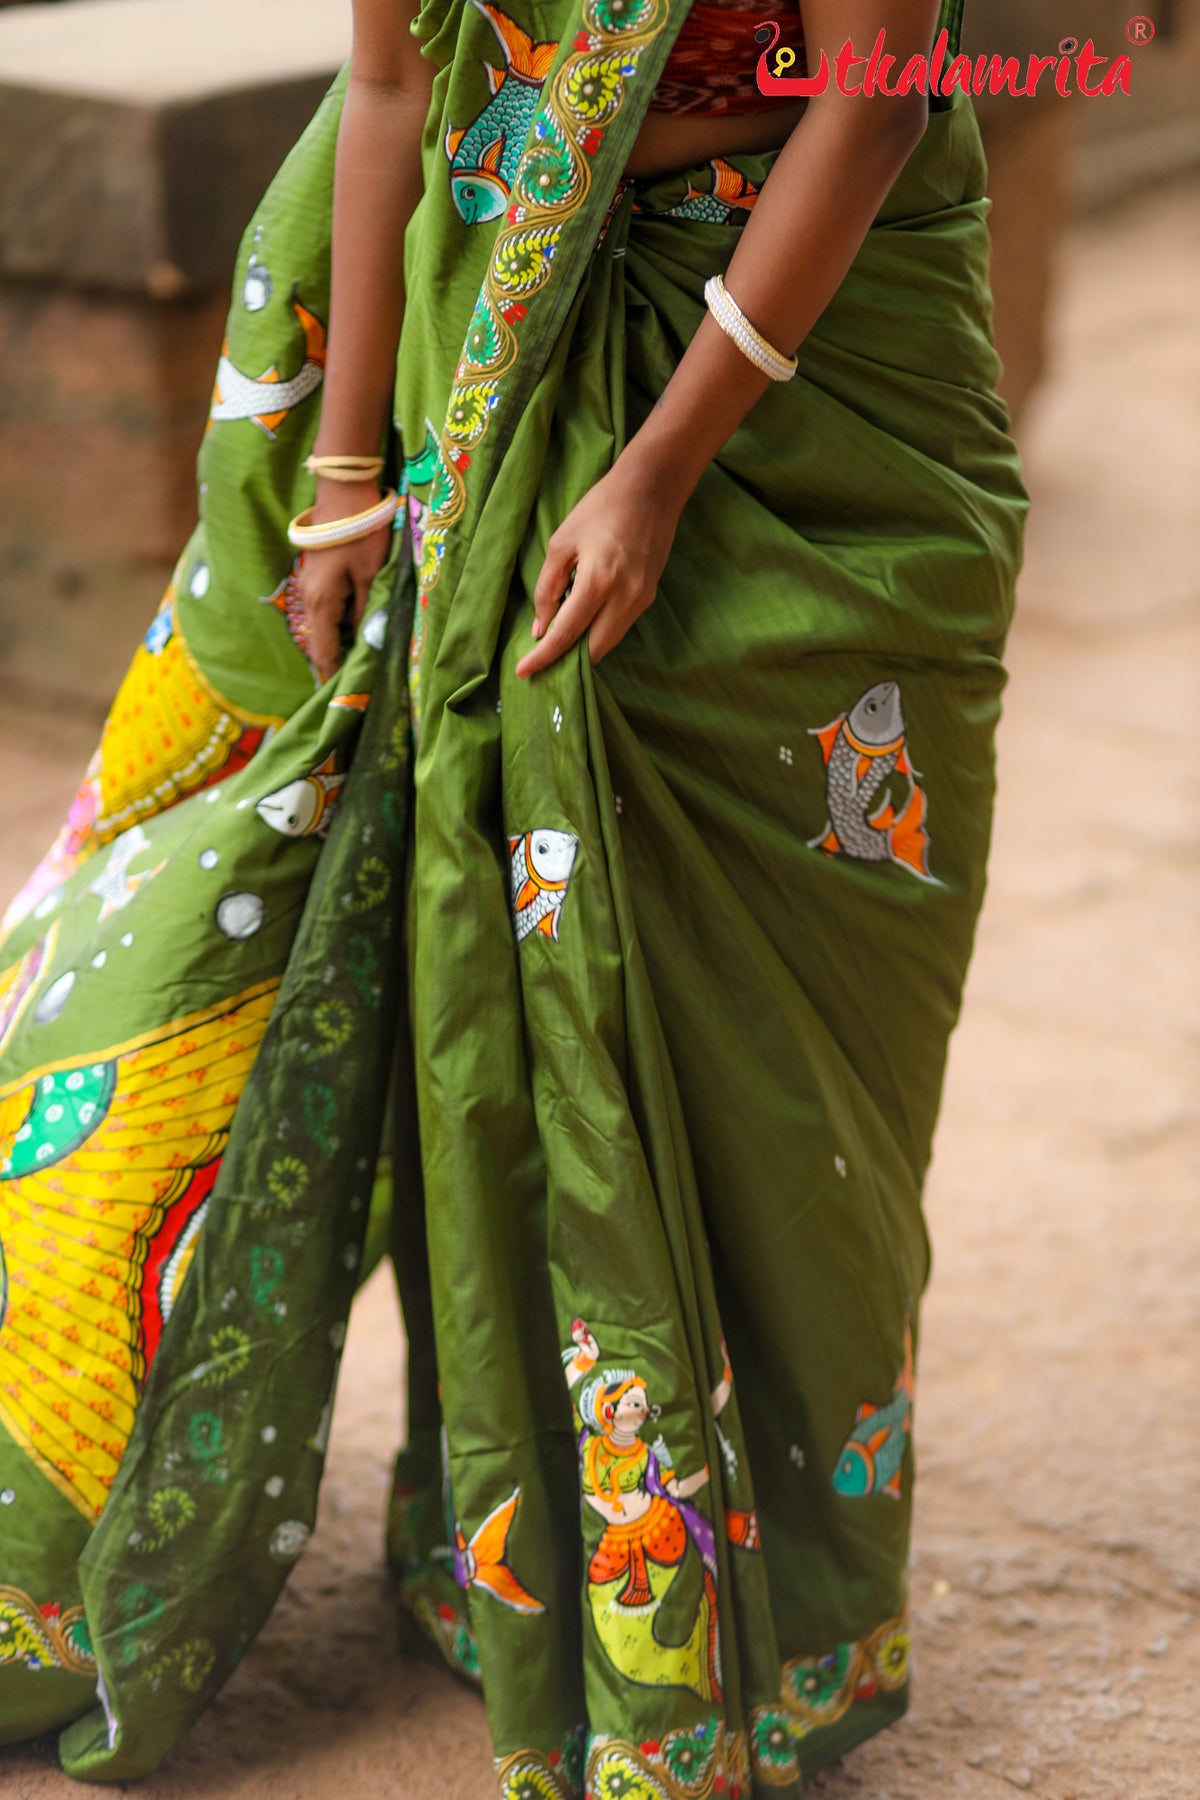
(730,193)
(484,155)
(873,1455)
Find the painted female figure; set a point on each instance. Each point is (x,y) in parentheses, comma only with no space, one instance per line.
(648,1530)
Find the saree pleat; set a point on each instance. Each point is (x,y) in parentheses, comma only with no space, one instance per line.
(628,989)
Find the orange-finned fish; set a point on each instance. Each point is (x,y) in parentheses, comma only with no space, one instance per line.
(269,399)
(862,750)
(303,808)
(541,874)
(484,155)
(872,1458)
(483,1561)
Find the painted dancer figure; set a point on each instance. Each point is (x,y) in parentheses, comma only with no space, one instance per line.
(507,853)
(649,1528)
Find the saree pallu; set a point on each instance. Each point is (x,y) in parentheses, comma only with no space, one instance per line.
(616,1000)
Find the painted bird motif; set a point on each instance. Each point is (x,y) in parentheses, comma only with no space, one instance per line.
(269,399)
(873,1455)
(541,867)
(862,750)
(484,155)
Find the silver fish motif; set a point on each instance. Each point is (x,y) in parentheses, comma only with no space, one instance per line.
(863,749)
(270,398)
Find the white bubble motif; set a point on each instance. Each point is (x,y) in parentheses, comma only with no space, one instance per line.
(289,1539)
(54,998)
(240,915)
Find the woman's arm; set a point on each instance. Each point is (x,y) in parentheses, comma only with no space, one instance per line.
(807,225)
(377,184)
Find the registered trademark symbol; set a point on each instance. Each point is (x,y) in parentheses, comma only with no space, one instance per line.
(1140,29)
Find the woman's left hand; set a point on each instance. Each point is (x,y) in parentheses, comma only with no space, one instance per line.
(617,540)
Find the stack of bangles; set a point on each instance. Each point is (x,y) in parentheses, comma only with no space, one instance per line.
(733,321)
(304,535)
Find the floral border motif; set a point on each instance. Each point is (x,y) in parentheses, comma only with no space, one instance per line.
(706,1760)
(551,183)
(532,1775)
(819,1690)
(690,1763)
(43,1637)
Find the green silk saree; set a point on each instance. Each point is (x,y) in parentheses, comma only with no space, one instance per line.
(613,1004)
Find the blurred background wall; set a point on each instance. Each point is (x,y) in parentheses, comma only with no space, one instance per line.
(135,139)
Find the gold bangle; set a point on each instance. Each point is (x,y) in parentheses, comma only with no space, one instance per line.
(345,468)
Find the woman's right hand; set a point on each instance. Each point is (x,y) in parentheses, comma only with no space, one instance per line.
(337,580)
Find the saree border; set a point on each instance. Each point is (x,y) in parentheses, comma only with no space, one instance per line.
(583,99)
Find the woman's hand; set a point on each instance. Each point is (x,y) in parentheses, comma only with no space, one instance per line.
(616,539)
(334,583)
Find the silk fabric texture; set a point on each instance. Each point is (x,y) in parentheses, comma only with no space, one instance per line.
(617,1000)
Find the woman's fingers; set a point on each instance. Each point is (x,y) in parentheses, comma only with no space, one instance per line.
(547,592)
(324,643)
(567,626)
(607,630)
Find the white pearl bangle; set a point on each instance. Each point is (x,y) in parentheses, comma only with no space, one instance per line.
(733,321)
(342,531)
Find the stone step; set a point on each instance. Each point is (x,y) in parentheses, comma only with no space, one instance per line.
(136,136)
(136,139)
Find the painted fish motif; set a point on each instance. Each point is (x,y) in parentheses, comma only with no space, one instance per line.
(731,191)
(541,874)
(269,399)
(873,1454)
(484,155)
(863,749)
(303,808)
(483,1562)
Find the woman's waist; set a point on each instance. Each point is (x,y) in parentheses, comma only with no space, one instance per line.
(671,143)
(688,162)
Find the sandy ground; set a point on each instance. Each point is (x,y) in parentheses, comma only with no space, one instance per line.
(1056,1580)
